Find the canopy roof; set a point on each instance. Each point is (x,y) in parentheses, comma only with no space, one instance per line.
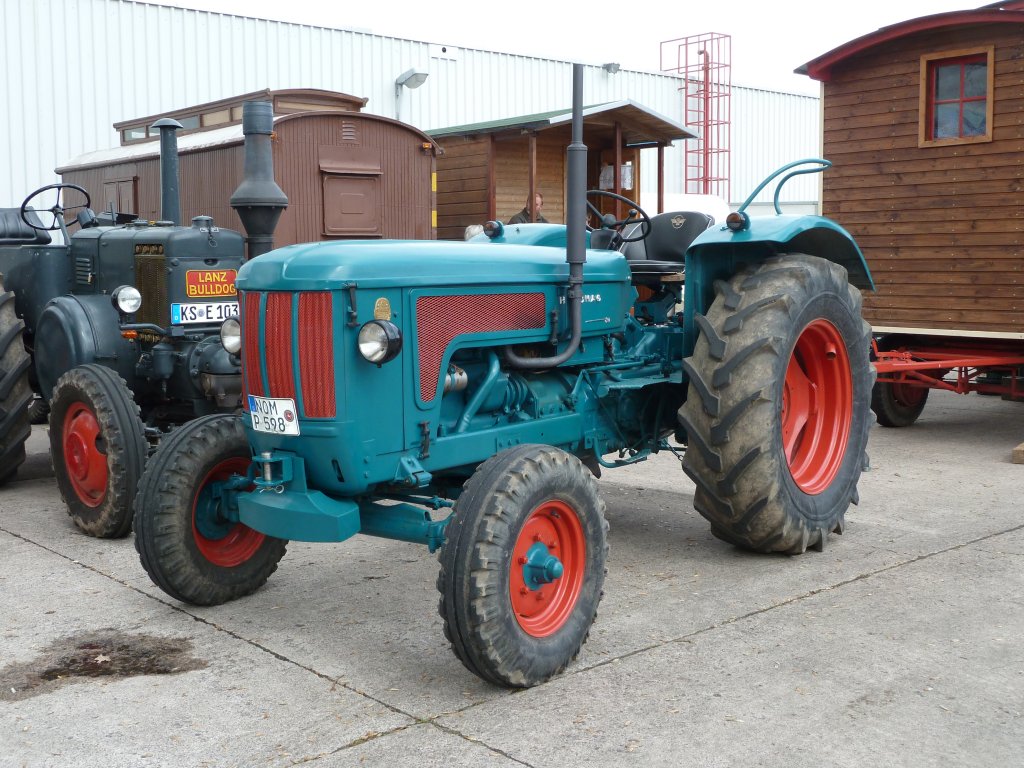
(640,126)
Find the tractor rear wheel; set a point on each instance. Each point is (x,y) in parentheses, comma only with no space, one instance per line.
(98,446)
(897,405)
(777,409)
(190,547)
(15,392)
(523,565)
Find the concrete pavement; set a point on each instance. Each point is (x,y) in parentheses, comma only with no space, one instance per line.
(899,645)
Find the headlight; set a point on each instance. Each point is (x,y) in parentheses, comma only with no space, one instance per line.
(231,335)
(127,299)
(379,341)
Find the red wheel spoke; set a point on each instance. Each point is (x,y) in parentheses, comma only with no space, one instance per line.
(798,406)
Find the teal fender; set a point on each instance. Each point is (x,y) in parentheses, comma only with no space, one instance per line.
(719,253)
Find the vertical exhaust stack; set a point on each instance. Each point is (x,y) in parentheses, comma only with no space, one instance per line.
(576,236)
(258,201)
(170,201)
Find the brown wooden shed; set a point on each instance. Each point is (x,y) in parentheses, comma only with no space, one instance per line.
(488,170)
(924,123)
(347,174)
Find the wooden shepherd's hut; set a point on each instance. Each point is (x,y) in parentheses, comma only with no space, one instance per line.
(347,174)
(923,124)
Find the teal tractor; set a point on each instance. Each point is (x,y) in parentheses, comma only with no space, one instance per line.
(466,396)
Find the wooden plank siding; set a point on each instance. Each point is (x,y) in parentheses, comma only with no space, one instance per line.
(512,166)
(208,177)
(942,227)
(463,185)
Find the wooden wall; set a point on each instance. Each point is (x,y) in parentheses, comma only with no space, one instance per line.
(512,177)
(464,182)
(209,177)
(941,227)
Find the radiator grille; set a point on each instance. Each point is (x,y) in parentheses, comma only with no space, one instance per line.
(316,354)
(151,280)
(310,330)
(439,319)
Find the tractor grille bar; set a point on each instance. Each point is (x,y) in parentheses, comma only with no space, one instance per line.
(269,360)
(151,280)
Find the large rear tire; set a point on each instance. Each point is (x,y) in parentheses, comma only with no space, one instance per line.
(777,409)
(523,565)
(98,446)
(15,391)
(897,405)
(188,546)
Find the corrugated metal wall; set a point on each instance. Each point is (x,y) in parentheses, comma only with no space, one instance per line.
(74,67)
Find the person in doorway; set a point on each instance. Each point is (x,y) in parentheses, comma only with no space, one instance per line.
(523,217)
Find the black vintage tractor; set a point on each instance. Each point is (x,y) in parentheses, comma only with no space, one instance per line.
(116,331)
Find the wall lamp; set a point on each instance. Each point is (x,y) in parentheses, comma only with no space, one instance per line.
(411,78)
(611,67)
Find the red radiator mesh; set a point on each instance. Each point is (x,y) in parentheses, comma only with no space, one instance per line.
(316,354)
(439,319)
(277,347)
(250,313)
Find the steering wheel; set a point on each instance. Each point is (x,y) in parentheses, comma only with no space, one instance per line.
(608,221)
(57,211)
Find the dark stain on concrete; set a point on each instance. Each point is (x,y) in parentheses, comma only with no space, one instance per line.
(104,653)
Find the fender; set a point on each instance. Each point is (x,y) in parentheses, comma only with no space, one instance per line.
(813,235)
(719,252)
(75,330)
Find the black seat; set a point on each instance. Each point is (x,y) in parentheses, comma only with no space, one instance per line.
(663,251)
(14,231)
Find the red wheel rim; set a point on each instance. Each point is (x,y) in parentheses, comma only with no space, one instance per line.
(817,407)
(542,612)
(908,396)
(239,542)
(86,465)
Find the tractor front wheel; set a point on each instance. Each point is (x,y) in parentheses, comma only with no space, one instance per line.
(777,409)
(15,392)
(523,565)
(98,446)
(188,542)
(897,405)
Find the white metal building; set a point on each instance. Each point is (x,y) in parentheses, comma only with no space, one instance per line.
(75,67)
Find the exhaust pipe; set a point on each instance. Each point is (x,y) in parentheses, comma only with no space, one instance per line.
(576,235)
(258,201)
(170,202)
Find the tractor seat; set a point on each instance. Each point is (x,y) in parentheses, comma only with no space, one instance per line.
(663,251)
(14,231)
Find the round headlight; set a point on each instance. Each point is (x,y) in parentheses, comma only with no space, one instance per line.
(127,299)
(231,335)
(379,341)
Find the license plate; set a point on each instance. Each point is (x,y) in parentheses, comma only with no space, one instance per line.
(275,415)
(208,312)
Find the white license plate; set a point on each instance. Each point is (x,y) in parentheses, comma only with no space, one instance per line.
(208,312)
(275,415)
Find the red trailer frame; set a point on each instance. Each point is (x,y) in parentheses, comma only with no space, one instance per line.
(988,366)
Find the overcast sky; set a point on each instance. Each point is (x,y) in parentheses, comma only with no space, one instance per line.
(770,38)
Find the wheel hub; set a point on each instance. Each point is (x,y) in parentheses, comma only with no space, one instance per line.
(547,568)
(817,407)
(86,464)
(219,537)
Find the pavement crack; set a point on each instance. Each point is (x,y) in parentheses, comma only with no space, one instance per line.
(689,637)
